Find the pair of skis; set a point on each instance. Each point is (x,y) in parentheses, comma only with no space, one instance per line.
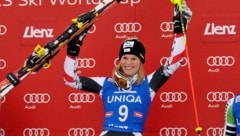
(41,56)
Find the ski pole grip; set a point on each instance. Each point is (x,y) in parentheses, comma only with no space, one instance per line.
(13,79)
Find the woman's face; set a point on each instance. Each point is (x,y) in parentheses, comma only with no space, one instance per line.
(130,64)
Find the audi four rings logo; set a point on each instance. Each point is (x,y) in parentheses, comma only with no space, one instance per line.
(81,98)
(173,96)
(36,98)
(3,29)
(3,64)
(215,131)
(173,131)
(36,132)
(2,132)
(184,62)
(166,26)
(219,96)
(116,61)
(128,27)
(86,62)
(81,132)
(220,61)
(93,29)
(2,101)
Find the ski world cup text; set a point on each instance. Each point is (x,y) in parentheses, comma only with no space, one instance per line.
(37,3)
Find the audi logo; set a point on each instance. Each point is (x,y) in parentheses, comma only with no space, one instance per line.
(86,63)
(128,27)
(36,132)
(215,131)
(81,132)
(220,61)
(93,29)
(116,61)
(219,96)
(173,131)
(36,98)
(173,96)
(2,132)
(3,29)
(81,98)
(166,26)
(2,100)
(3,64)
(183,63)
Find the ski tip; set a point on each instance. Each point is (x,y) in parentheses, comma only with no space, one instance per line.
(74,20)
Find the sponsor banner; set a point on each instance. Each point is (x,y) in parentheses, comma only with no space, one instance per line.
(86,63)
(217,96)
(217,63)
(41,104)
(3,29)
(220,28)
(81,132)
(2,131)
(124,29)
(37,31)
(173,131)
(215,131)
(3,64)
(36,132)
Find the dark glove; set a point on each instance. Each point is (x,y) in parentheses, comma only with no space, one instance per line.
(178,28)
(73,46)
(180,25)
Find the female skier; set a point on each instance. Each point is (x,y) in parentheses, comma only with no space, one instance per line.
(128,93)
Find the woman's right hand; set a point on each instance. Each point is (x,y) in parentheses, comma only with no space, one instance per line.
(73,46)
